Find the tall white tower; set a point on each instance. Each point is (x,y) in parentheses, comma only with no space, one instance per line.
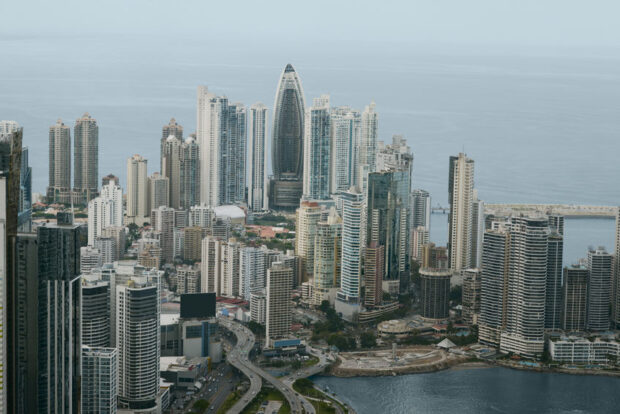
(461,196)
(257,190)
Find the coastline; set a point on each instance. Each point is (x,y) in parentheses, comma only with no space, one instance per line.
(457,363)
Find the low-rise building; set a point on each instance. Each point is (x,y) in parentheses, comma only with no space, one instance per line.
(580,350)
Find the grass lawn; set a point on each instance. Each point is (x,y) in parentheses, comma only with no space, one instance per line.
(231,400)
(305,387)
(200,406)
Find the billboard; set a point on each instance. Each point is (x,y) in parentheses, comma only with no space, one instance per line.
(198,305)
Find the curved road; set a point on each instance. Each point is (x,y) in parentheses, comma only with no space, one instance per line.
(245,340)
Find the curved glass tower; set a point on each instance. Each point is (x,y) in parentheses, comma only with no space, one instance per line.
(287,145)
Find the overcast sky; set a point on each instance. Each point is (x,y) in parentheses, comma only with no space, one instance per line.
(556,23)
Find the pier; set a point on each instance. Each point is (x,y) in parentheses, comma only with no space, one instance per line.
(567,210)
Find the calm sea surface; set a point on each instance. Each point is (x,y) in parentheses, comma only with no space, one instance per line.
(487,390)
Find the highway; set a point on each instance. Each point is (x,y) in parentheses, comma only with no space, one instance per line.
(324,362)
(245,338)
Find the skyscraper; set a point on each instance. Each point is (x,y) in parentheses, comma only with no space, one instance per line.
(435,293)
(171,169)
(86,158)
(286,187)
(600,270)
(221,135)
(526,287)
(368,145)
(173,128)
(138,210)
(190,173)
(99,380)
(346,130)
(159,191)
(138,342)
(327,258)
(257,188)
(278,313)
(471,295)
(615,308)
(374,266)
(308,215)
(59,188)
(420,209)
(96,314)
(24,217)
(387,223)
(317,137)
(553,292)
(477,231)
(460,197)
(575,298)
(352,247)
(105,211)
(162,221)
(252,271)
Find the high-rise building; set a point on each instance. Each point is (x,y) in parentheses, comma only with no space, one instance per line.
(209,265)
(308,215)
(201,216)
(286,187)
(526,286)
(190,173)
(471,295)
(553,292)
(252,271)
(477,231)
(460,197)
(435,293)
(159,191)
(138,342)
(59,188)
(110,177)
(59,316)
(575,298)
(327,258)
(86,158)
(24,216)
(228,257)
(171,169)
(107,248)
(257,188)
(346,130)
(615,305)
(434,257)
(90,258)
(99,380)
(374,266)
(419,237)
(394,156)
(176,130)
(278,312)
(138,209)
(162,221)
(317,137)
(188,279)
(387,223)
(18,281)
(118,235)
(368,145)
(600,270)
(420,209)
(258,307)
(192,243)
(105,211)
(352,247)
(221,135)
(96,316)
(556,222)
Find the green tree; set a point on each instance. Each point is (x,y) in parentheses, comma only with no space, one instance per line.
(368,340)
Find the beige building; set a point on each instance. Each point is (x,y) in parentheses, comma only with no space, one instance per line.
(461,197)
(59,188)
(307,216)
(138,209)
(278,312)
(86,157)
(327,252)
(192,242)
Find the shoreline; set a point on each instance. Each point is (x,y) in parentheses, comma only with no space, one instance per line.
(457,364)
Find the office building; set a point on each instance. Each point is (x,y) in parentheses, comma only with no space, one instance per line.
(137,311)
(575,298)
(346,130)
(172,129)
(317,137)
(99,380)
(159,191)
(600,270)
(138,206)
(59,188)
(374,265)
(221,135)
(327,258)
(435,293)
(257,188)
(368,145)
(86,158)
(387,223)
(460,197)
(190,173)
(286,186)
(278,312)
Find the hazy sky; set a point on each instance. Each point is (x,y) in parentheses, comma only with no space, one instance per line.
(558,23)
